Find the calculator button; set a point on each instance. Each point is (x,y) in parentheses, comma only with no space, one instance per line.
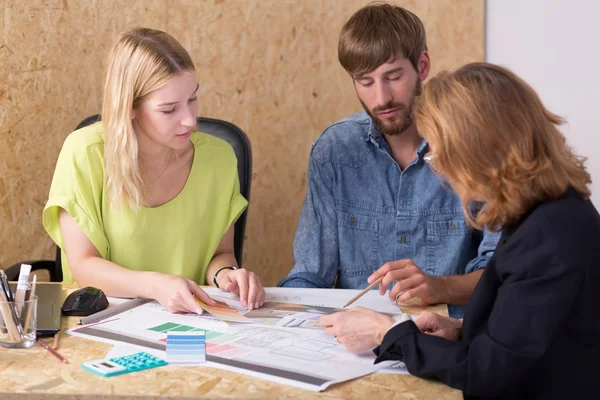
(130,363)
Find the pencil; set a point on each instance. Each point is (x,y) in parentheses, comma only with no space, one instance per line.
(31,305)
(8,318)
(51,350)
(56,341)
(359,295)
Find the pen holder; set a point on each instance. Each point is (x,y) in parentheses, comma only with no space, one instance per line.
(18,323)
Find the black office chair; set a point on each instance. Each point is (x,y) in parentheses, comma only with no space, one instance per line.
(221,129)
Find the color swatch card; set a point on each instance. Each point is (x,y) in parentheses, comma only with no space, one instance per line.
(223,311)
(186,347)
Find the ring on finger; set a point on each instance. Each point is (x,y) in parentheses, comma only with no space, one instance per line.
(400,294)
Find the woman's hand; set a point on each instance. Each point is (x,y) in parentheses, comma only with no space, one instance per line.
(437,325)
(358,329)
(176,294)
(245,284)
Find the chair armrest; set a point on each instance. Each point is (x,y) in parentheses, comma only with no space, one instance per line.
(12,272)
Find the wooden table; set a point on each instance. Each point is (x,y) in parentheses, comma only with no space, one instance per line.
(35,374)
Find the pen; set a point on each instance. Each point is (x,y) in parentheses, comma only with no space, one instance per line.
(51,350)
(358,296)
(5,286)
(22,287)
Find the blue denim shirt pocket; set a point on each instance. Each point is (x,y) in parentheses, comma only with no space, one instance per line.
(358,243)
(447,241)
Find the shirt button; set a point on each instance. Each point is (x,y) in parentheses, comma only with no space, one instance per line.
(453,226)
(403,239)
(352,220)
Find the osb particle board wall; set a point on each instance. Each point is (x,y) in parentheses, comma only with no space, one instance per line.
(268,66)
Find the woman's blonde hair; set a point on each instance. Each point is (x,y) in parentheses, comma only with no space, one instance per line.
(141,61)
(496,143)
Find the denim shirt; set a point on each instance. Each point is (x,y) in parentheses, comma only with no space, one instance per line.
(362,211)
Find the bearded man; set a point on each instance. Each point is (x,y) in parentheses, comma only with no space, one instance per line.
(374,205)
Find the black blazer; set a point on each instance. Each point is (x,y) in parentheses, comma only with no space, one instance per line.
(532,326)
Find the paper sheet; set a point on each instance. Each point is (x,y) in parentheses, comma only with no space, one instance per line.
(306,358)
(324,298)
(317,299)
(335,298)
(398,369)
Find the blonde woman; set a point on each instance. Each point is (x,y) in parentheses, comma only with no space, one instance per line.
(141,204)
(532,326)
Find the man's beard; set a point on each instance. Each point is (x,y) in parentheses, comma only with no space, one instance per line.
(403,121)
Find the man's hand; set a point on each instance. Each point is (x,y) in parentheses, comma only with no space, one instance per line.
(410,282)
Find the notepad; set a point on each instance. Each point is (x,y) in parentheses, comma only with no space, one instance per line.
(186,347)
(113,310)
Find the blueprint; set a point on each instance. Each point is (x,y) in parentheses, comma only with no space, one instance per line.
(284,353)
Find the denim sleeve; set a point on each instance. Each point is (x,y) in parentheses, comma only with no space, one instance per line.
(316,259)
(485,252)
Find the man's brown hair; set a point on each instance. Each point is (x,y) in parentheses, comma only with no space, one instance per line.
(377,33)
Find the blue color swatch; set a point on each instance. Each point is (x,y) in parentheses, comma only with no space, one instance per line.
(186,347)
